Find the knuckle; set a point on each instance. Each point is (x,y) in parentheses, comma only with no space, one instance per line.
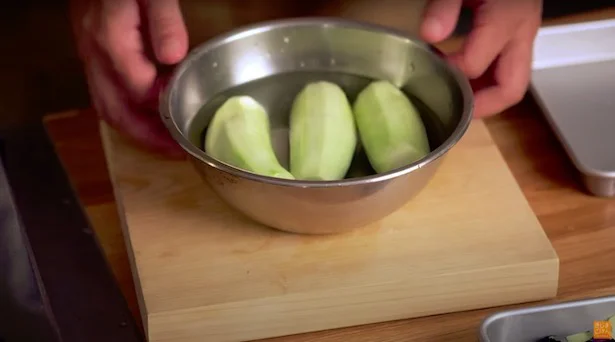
(472,69)
(107,40)
(101,34)
(167,27)
(167,33)
(472,66)
(515,93)
(165,19)
(91,24)
(102,38)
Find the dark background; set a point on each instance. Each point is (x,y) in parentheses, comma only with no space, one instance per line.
(41,73)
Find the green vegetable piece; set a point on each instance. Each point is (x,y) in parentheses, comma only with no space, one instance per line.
(580,337)
(390,127)
(239,135)
(323,136)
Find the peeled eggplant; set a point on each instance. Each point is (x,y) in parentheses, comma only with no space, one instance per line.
(323,135)
(240,135)
(390,127)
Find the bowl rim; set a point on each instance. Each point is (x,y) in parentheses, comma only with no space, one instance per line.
(237,33)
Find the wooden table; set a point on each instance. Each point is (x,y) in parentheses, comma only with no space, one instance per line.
(581,227)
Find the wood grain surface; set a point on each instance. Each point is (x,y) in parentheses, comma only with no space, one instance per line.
(207,273)
(580,227)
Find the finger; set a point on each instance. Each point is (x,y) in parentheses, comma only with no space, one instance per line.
(143,127)
(122,42)
(152,100)
(167,30)
(439,19)
(147,130)
(491,31)
(512,75)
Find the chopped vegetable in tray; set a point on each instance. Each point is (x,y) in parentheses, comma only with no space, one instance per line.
(585,336)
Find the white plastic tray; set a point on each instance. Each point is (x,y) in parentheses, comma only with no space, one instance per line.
(573,81)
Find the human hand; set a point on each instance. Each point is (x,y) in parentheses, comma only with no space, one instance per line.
(125,46)
(497,54)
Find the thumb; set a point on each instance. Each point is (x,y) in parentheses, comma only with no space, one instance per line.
(439,19)
(167,30)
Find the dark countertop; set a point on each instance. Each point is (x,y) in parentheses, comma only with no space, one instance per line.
(55,284)
(25,314)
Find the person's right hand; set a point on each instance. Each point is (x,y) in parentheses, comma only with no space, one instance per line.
(497,54)
(125,45)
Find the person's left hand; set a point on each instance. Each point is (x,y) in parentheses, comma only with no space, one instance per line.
(128,48)
(497,54)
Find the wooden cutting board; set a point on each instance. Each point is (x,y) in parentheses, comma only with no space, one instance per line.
(203,273)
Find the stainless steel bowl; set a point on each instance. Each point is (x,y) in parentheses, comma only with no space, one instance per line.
(271,61)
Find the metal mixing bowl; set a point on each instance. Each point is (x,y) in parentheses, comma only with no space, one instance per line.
(285,55)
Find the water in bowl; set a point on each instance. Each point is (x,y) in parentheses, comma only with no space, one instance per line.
(276,94)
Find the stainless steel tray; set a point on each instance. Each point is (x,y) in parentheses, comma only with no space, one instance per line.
(573,81)
(533,323)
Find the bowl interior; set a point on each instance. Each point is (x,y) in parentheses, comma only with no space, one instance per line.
(272,62)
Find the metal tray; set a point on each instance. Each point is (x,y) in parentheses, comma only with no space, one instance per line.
(573,81)
(533,323)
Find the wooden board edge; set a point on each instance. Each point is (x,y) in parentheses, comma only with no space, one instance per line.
(107,149)
(483,127)
(220,322)
(519,191)
(61,115)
